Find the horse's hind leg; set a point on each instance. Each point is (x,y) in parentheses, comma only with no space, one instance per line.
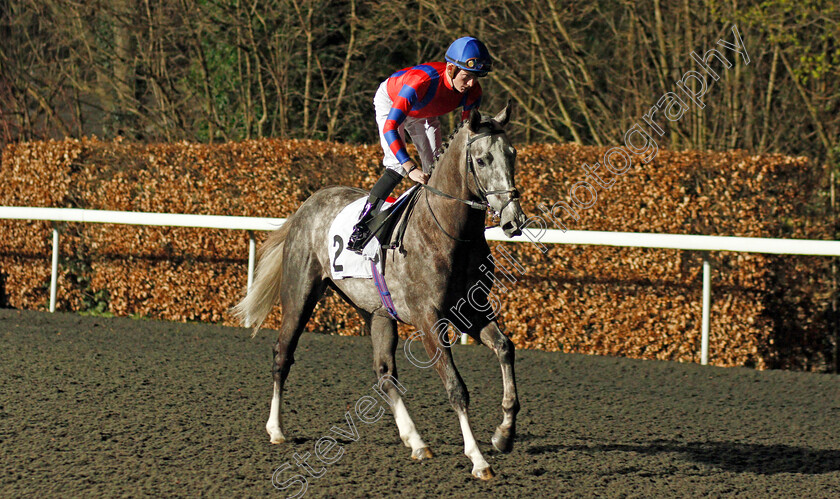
(494,338)
(299,300)
(384,336)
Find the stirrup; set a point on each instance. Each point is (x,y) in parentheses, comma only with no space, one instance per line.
(359,238)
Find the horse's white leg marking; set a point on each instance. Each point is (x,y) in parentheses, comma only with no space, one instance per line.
(471,447)
(274,426)
(408,431)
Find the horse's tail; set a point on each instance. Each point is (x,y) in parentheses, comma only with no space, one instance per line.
(265,290)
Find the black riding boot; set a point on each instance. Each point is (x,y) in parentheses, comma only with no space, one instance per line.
(381,190)
(361,231)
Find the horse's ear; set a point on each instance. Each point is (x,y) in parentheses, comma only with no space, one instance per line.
(475,120)
(504,115)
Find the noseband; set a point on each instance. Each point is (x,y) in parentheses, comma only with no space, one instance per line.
(482,192)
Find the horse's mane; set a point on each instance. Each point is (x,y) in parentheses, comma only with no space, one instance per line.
(485,122)
(443,147)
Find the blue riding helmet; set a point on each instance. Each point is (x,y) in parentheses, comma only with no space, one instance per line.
(471,55)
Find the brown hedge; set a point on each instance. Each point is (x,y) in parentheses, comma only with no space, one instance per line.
(768,311)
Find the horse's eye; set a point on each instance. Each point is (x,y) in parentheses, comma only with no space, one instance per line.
(480,162)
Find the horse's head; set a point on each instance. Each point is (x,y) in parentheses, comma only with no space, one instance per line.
(490,162)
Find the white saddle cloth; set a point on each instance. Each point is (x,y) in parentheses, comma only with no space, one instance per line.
(343,262)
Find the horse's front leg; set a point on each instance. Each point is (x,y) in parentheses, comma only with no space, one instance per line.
(493,337)
(460,400)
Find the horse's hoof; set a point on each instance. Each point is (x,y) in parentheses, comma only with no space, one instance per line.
(276,436)
(421,454)
(484,473)
(503,440)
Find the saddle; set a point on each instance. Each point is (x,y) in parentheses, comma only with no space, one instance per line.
(383,226)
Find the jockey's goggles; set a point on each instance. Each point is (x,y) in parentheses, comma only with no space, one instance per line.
(475,65)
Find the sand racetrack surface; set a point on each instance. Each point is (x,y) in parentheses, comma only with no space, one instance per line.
(109,407)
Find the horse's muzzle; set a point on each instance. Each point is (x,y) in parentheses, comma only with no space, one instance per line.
(511,230)
(513,219)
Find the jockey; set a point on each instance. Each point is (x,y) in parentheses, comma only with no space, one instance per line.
(411,100)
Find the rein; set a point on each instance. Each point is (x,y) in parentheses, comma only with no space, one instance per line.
(482,192)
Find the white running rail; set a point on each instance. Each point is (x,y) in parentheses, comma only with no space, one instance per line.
(622,239)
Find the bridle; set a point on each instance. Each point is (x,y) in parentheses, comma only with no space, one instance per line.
(482,192)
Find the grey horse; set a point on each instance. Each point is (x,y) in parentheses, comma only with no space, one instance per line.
(442,260)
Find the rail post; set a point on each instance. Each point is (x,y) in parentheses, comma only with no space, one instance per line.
(54,277)
(252,257)
(707,298)
(252,254)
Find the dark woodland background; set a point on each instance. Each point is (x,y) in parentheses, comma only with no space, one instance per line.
(581,71)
